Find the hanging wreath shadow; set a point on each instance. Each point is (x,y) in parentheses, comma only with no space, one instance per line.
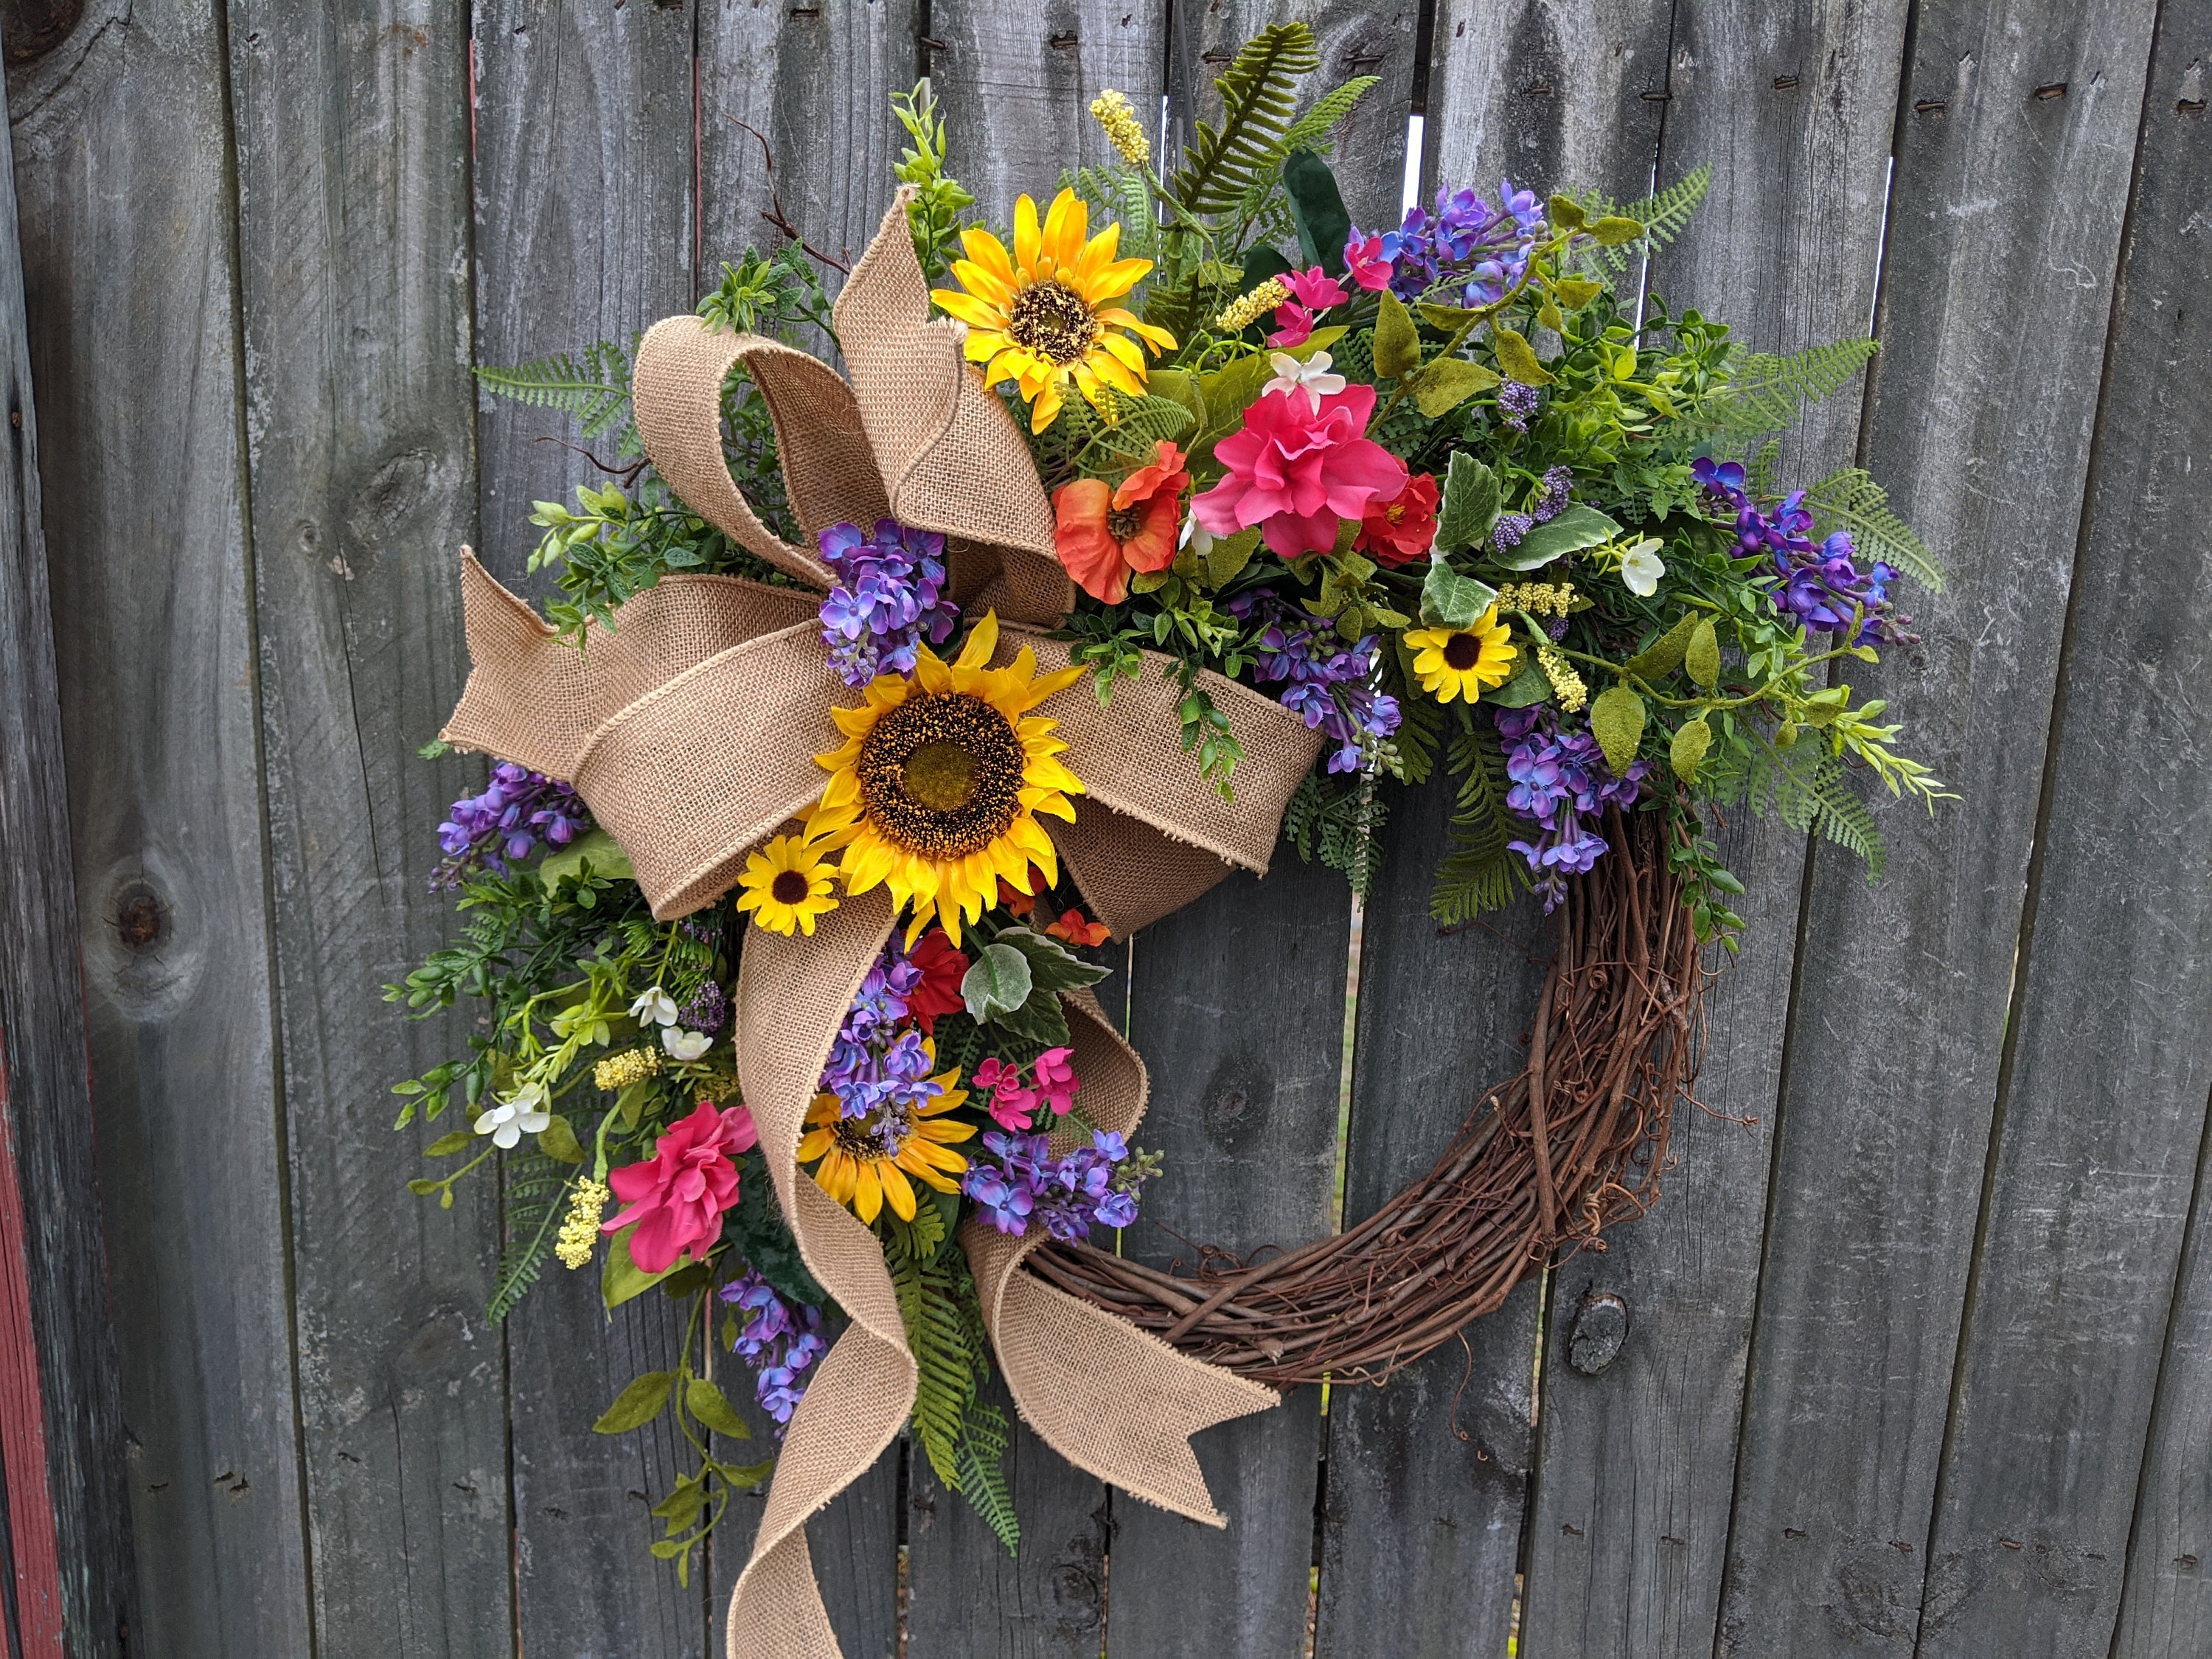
(1572,1143)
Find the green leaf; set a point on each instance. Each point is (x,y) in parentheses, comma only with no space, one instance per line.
(558,1141)
(1451,600)
(1444,319)
(422,1186)
(1397,342)
(1469,506)
(1664,654)
(1702,656)
(1229,555)
(1688,749)
(645,1399)
(1617,720)
(705,1403)
(1613,230)
(1577,527)
(682,1506)
(597,849)
(1526,688)
(1565,213)
(1442,386)
(1517,358)
(1317,209)
(1052,965)
(1576,292)
(998,983)
(621,1278)
(445,1145)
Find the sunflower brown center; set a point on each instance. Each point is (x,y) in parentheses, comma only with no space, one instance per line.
(1051,319)
(855,1139)
(942,775)
(1123,523)
(789,887)
(1463,652)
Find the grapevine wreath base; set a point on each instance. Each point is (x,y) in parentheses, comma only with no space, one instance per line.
(1572,1143)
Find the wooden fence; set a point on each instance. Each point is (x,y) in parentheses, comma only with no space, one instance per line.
(1914,1361)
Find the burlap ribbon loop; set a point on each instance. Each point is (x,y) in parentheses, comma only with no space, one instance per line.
(690,728)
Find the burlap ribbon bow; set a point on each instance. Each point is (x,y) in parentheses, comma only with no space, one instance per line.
(690,729)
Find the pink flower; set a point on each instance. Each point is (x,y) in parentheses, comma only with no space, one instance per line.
(676,1197)
(1315,289)
(1369,262)
(1012,1106)
(1056,1080)
(1299,470)
(1295,324)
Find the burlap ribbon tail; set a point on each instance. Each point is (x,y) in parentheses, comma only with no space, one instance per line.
(690,727)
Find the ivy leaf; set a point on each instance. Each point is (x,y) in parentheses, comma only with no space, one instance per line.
(1451,600)
(1051,965)
(1702,656)
(999,982)
(1397,342)
(645,1399)
(1664,654)
(1441,386)
(1613,230)
(1577,527)
(1688,749)
(1041,1022)
(1616,719)
(705,1403)
(1517,357)
(598,849)
(558,1142)
(1469,506)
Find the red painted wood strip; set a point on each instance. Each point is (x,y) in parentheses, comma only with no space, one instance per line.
(36,1550)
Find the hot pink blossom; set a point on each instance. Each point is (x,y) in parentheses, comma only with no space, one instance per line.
(1369,262)
(1293,325)
(676,1197)
(1315,289)
(1012,1106)
(1056,1081)
(1299,470)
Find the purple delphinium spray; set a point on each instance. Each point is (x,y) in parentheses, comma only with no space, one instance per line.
(889,596)
(1557,779)
(1016,1178)
(874,1066)
(1332,685)
(779,1339)
(1819,584)
(1482,250)
(519,814)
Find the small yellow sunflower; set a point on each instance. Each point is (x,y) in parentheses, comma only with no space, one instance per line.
(937,788)
(866,1160)
(1459,662)
(1045,314)
(787,884)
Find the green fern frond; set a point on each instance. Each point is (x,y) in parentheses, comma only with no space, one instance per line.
(1341,820)
(1764,392)
(937,1331)
(982,1458)
(1122,194)
(1850,500)
(536,1198)
(1759,476)
(1808,788)
(1664,216)
(1314,130)
(1259,101)
(1481,873)
(595,390)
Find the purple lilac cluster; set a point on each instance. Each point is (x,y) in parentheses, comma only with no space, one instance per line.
(1558,778)
(1559,483)
(519,814)
(1515,403)
(707,1009)
(1016,1179)
(1482,249)
(889,596)
(779,1339)
(874,1066)
(1332,684)
(1820,585)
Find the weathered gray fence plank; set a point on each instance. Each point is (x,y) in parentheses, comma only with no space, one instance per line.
(353,225)
(1237,1007)
(2100,1125)
(1421,1529)
(2001,254)
(1792,108)
(62,1411)
(584,177)
(125,212)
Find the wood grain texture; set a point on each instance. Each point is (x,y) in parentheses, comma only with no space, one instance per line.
(1638,1473)
(2001,250)
(1245,1110)
(354,223)
(1421,1529)
(584,180)
(62,1444)
(126,212)
(1017,81)
(2099,1141)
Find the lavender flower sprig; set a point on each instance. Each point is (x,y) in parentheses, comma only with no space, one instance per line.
(1558,779)
(889,596)
(519,814)
(1332,686)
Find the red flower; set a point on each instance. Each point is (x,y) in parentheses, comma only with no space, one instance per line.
(676,1197)
(1016,902)
(1398,532)
(1299,471)
(1076,929)
(1104,533)
(942,968)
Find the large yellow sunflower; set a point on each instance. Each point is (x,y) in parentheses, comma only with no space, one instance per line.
(1459,662)
(1045,314)
(866,1160)
(937,788)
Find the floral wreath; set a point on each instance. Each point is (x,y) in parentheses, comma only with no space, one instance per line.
(873,702)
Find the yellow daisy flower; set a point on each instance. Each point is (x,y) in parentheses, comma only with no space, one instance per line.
(1459,662)
(937,788)
(1045,315)
(866,1160)
(787,884)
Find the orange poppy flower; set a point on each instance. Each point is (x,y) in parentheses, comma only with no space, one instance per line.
(1104,534)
